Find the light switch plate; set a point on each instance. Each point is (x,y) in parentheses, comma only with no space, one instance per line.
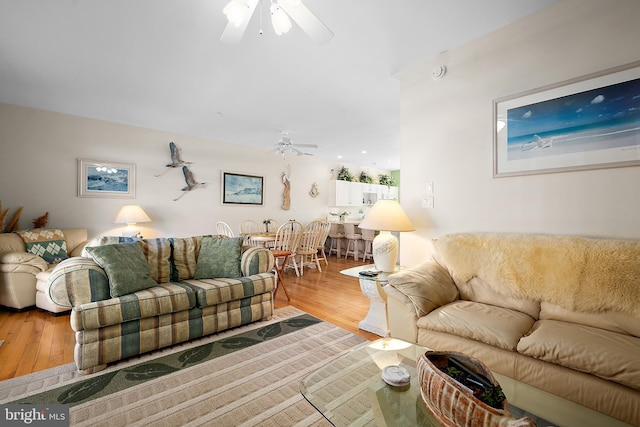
(429,187)
(429,202)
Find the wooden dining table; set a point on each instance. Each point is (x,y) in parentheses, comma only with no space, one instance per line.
(261,238)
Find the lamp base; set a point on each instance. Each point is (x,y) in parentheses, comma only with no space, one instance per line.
(131,231)
(385,252)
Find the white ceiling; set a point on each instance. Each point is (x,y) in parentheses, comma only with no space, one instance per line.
(159,64)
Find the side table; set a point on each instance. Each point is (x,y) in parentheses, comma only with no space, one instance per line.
(376,319)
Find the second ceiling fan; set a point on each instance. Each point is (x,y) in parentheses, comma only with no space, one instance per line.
(286,145)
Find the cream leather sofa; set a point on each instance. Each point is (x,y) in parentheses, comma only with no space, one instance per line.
(23,275)
(561,314)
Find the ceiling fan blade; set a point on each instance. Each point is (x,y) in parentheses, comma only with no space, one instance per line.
(233,34)
(305,145)
(309,22)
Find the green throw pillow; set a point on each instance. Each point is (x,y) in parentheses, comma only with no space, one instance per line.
(219,257)
(126,267)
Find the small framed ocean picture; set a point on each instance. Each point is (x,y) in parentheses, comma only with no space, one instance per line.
(242,189)
(586,123)
(106,179)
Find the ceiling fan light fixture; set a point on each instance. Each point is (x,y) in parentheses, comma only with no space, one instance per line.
(236,12)
(280,20)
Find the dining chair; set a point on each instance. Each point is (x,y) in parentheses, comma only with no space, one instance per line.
(223,229)
(322,242)
(286,244)
(248,227)
(353,240)
(308,246)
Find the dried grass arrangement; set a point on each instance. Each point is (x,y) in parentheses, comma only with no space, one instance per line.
(14,221)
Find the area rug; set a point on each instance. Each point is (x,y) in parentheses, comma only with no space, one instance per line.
(246,376)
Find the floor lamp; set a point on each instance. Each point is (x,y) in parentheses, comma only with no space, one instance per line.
(386,216)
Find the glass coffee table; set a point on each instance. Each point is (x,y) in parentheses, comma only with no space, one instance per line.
(349,391)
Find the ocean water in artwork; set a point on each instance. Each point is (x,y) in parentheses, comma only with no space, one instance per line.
(107,181)
(598,119)
(242,189)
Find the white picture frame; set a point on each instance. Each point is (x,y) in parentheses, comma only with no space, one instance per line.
(106,179)
(589,122)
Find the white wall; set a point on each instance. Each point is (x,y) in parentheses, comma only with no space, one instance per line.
(38,170)
(447,131)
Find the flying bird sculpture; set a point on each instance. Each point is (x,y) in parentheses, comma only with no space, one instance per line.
(192,184)
(176,158)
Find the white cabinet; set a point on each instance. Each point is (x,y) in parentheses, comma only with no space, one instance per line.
(345,193)
(387,192)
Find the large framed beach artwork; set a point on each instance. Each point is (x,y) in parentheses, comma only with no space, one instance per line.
(106,179)
(242,189)
(586,123)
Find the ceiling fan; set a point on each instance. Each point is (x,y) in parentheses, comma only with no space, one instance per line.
(285,145)
(239,13)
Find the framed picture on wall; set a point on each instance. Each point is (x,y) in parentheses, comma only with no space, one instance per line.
(585,123)
(242,189)
(106,179)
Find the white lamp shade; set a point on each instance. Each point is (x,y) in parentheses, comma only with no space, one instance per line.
(386,216)
(131,214)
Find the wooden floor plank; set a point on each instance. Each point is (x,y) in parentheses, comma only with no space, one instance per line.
(37,340)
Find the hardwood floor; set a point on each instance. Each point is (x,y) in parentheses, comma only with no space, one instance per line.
(35,340)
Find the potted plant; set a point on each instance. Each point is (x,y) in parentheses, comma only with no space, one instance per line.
(365,177)
(384,179)
(344,174)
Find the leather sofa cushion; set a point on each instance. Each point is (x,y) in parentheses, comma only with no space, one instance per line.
(477,290)
(603,353)
(613,321)
(498,326)
(427,286)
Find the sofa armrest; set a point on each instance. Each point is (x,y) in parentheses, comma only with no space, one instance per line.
(401,315)
(413,293)
(256,260)
(21,262)
(77,281)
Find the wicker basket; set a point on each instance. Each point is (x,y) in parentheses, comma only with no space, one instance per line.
(453,404)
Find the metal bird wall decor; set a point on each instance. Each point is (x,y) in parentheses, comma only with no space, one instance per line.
(192,184)
(176,158)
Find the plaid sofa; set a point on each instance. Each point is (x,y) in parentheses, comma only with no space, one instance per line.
(180,308)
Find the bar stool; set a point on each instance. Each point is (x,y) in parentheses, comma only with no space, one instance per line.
(335,245)
(367,238)
(353,240)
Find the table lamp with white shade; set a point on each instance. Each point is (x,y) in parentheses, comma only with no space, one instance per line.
(386,216)
(131,215)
